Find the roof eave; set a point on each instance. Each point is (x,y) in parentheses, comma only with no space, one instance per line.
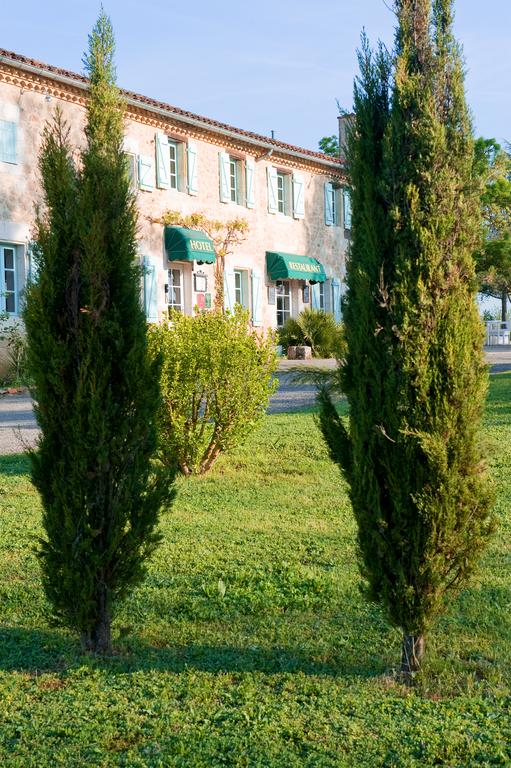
(169,112)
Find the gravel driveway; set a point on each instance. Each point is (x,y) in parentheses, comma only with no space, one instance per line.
(18,427)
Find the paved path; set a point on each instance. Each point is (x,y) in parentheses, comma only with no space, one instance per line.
(18,427)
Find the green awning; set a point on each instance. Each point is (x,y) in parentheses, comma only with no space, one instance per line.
(289,266)
(183,244)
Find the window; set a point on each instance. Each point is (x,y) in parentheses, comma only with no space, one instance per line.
(131,160)
(321,296)
(333,193)
(282,192)
(238,287)
(170,163)
(283,301)
(231,180)
(174,164)
(174,290)
(8,293)
(332,204)
(8,142)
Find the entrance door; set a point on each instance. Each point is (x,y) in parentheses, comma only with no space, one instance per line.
(175,289)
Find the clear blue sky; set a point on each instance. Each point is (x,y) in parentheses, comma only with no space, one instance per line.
(261,65)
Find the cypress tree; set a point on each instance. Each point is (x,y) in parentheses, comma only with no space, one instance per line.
(96,389)
(414,375)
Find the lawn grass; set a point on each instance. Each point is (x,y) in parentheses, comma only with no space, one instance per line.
(289,667)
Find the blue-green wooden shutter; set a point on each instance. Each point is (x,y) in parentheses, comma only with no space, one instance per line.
(273,206)
(250,182)
(329,214)
(192,172)
(257,297)
(145,173)
(8,136)
(336,300)
(225,182)
(298,196)
(162,161)
(151,289)
(346,197)
(229,290)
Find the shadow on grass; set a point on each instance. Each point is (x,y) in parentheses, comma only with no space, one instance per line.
(15,464)
(36,651)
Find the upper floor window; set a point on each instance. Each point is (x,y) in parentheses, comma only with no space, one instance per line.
(234,187)
(8,142)
(173,164)
(282,196)
(286,193)
(132,167)
(332,204)
(234,174)
(170,162)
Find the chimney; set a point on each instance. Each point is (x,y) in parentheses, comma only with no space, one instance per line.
(345,122)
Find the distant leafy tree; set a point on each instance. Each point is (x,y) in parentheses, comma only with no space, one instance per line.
(216,381)
(96,388)
(493,259)
(414,373)
(329,145)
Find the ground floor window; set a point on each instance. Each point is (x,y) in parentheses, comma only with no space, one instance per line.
(239,297)
(175,289)
(321,296)
(283,301)
(8,288)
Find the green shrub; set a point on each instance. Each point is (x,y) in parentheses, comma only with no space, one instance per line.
(216,383)
(16,352)
(316,329)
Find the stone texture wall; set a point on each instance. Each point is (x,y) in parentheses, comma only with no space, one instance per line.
(30,101)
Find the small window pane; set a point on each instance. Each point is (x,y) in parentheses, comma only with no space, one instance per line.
(174,290)
(8,258)
(10,303)
(173,164)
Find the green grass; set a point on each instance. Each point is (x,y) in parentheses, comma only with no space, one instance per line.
(289,667)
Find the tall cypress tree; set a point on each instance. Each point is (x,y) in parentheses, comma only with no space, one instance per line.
(96,390)
(414,375)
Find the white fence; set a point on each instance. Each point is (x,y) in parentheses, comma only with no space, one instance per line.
(497,332)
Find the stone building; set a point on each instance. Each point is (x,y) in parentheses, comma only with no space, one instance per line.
(293,199)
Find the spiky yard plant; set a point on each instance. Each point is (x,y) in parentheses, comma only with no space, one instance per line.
(414,374)
(96,389)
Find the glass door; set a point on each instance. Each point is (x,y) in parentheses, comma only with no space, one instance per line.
(283,301)
(175,289)
(8,279)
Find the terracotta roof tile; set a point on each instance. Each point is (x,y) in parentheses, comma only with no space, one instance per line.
(174,111)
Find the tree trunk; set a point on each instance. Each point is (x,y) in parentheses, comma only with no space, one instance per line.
(504,306)
(99,638)
(412,653)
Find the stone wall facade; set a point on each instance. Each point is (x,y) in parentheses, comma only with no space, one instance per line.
(31,91)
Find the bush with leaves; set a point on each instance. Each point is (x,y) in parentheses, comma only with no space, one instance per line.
(14,352)
(315,329)
(216,381)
